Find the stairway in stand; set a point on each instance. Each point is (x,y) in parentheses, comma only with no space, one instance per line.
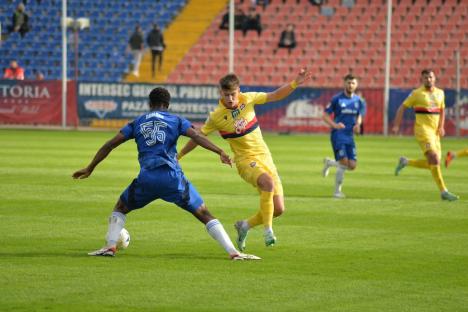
(179,37)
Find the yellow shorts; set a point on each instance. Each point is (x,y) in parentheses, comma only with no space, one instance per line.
(253,167)
(430,143)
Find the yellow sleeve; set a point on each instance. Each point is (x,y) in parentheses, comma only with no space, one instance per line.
(442,104)
(255,97)
(409,102)
(209,125)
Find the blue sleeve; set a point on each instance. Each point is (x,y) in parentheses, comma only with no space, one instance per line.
(184,125)
(127,131)
(331,107)
(362,108)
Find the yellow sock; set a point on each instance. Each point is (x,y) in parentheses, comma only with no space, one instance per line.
(266,208)
(255,220)
(437,175)
(462,153)
(418,163)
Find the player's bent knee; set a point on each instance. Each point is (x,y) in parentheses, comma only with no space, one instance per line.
(121,207)
(432,158)
(434,162)
(266,183)
(202,210)
(203,214)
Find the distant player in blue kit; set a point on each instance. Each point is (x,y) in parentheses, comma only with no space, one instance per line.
(347,109)
(156,134)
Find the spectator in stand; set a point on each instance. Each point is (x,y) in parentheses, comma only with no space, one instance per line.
(20,21)
(39,76)
(26,1)
(225,21)
(287,39)
(254,3)
(252,22)
(314,2)
(136,46)
(263,3)
(155,41)
(239,18)
(14,72)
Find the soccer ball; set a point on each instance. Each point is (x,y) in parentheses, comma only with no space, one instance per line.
(124,239)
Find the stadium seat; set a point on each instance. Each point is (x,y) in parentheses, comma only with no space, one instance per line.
(323,42)
(105,35)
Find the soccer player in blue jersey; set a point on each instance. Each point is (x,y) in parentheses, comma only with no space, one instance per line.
(347,109)
(156,134)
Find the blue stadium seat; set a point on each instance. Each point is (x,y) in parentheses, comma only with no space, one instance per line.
(101,49)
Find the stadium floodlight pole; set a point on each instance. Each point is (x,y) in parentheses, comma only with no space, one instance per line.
(457,97)
(231,36)
(387,66)
(64,63)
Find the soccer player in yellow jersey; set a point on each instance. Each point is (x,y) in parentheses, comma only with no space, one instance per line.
(236,122)
(451,155)
(428,103)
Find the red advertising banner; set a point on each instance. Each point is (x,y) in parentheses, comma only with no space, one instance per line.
(36,102)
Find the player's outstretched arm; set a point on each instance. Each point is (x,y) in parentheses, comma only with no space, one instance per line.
(398,118)
(190,146)
(100,156)
(203,141)
(288,88)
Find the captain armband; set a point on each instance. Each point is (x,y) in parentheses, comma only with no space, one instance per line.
(293,84)
(180,155)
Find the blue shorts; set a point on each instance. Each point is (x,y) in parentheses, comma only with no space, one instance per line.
(343,147)
(162,182)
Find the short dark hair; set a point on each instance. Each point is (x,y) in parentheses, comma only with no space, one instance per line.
(229,82)
(426,71)
(349,77)
(159,97)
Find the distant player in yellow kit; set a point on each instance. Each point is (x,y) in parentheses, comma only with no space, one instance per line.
(428,103)
(236,122)
(451,155)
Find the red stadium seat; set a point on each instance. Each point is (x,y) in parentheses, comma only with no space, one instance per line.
(397,81)
(351,39)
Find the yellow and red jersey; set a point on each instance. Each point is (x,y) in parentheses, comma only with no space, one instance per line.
(239,126)
(427,105)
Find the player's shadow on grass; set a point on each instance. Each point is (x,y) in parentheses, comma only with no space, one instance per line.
(166,256)
(80,253)
(41,254)
(183,256)
(84,254)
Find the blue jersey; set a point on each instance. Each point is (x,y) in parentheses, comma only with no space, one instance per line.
(345,110)
(156,135)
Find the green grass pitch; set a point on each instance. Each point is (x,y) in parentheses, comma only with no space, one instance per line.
(392,245)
